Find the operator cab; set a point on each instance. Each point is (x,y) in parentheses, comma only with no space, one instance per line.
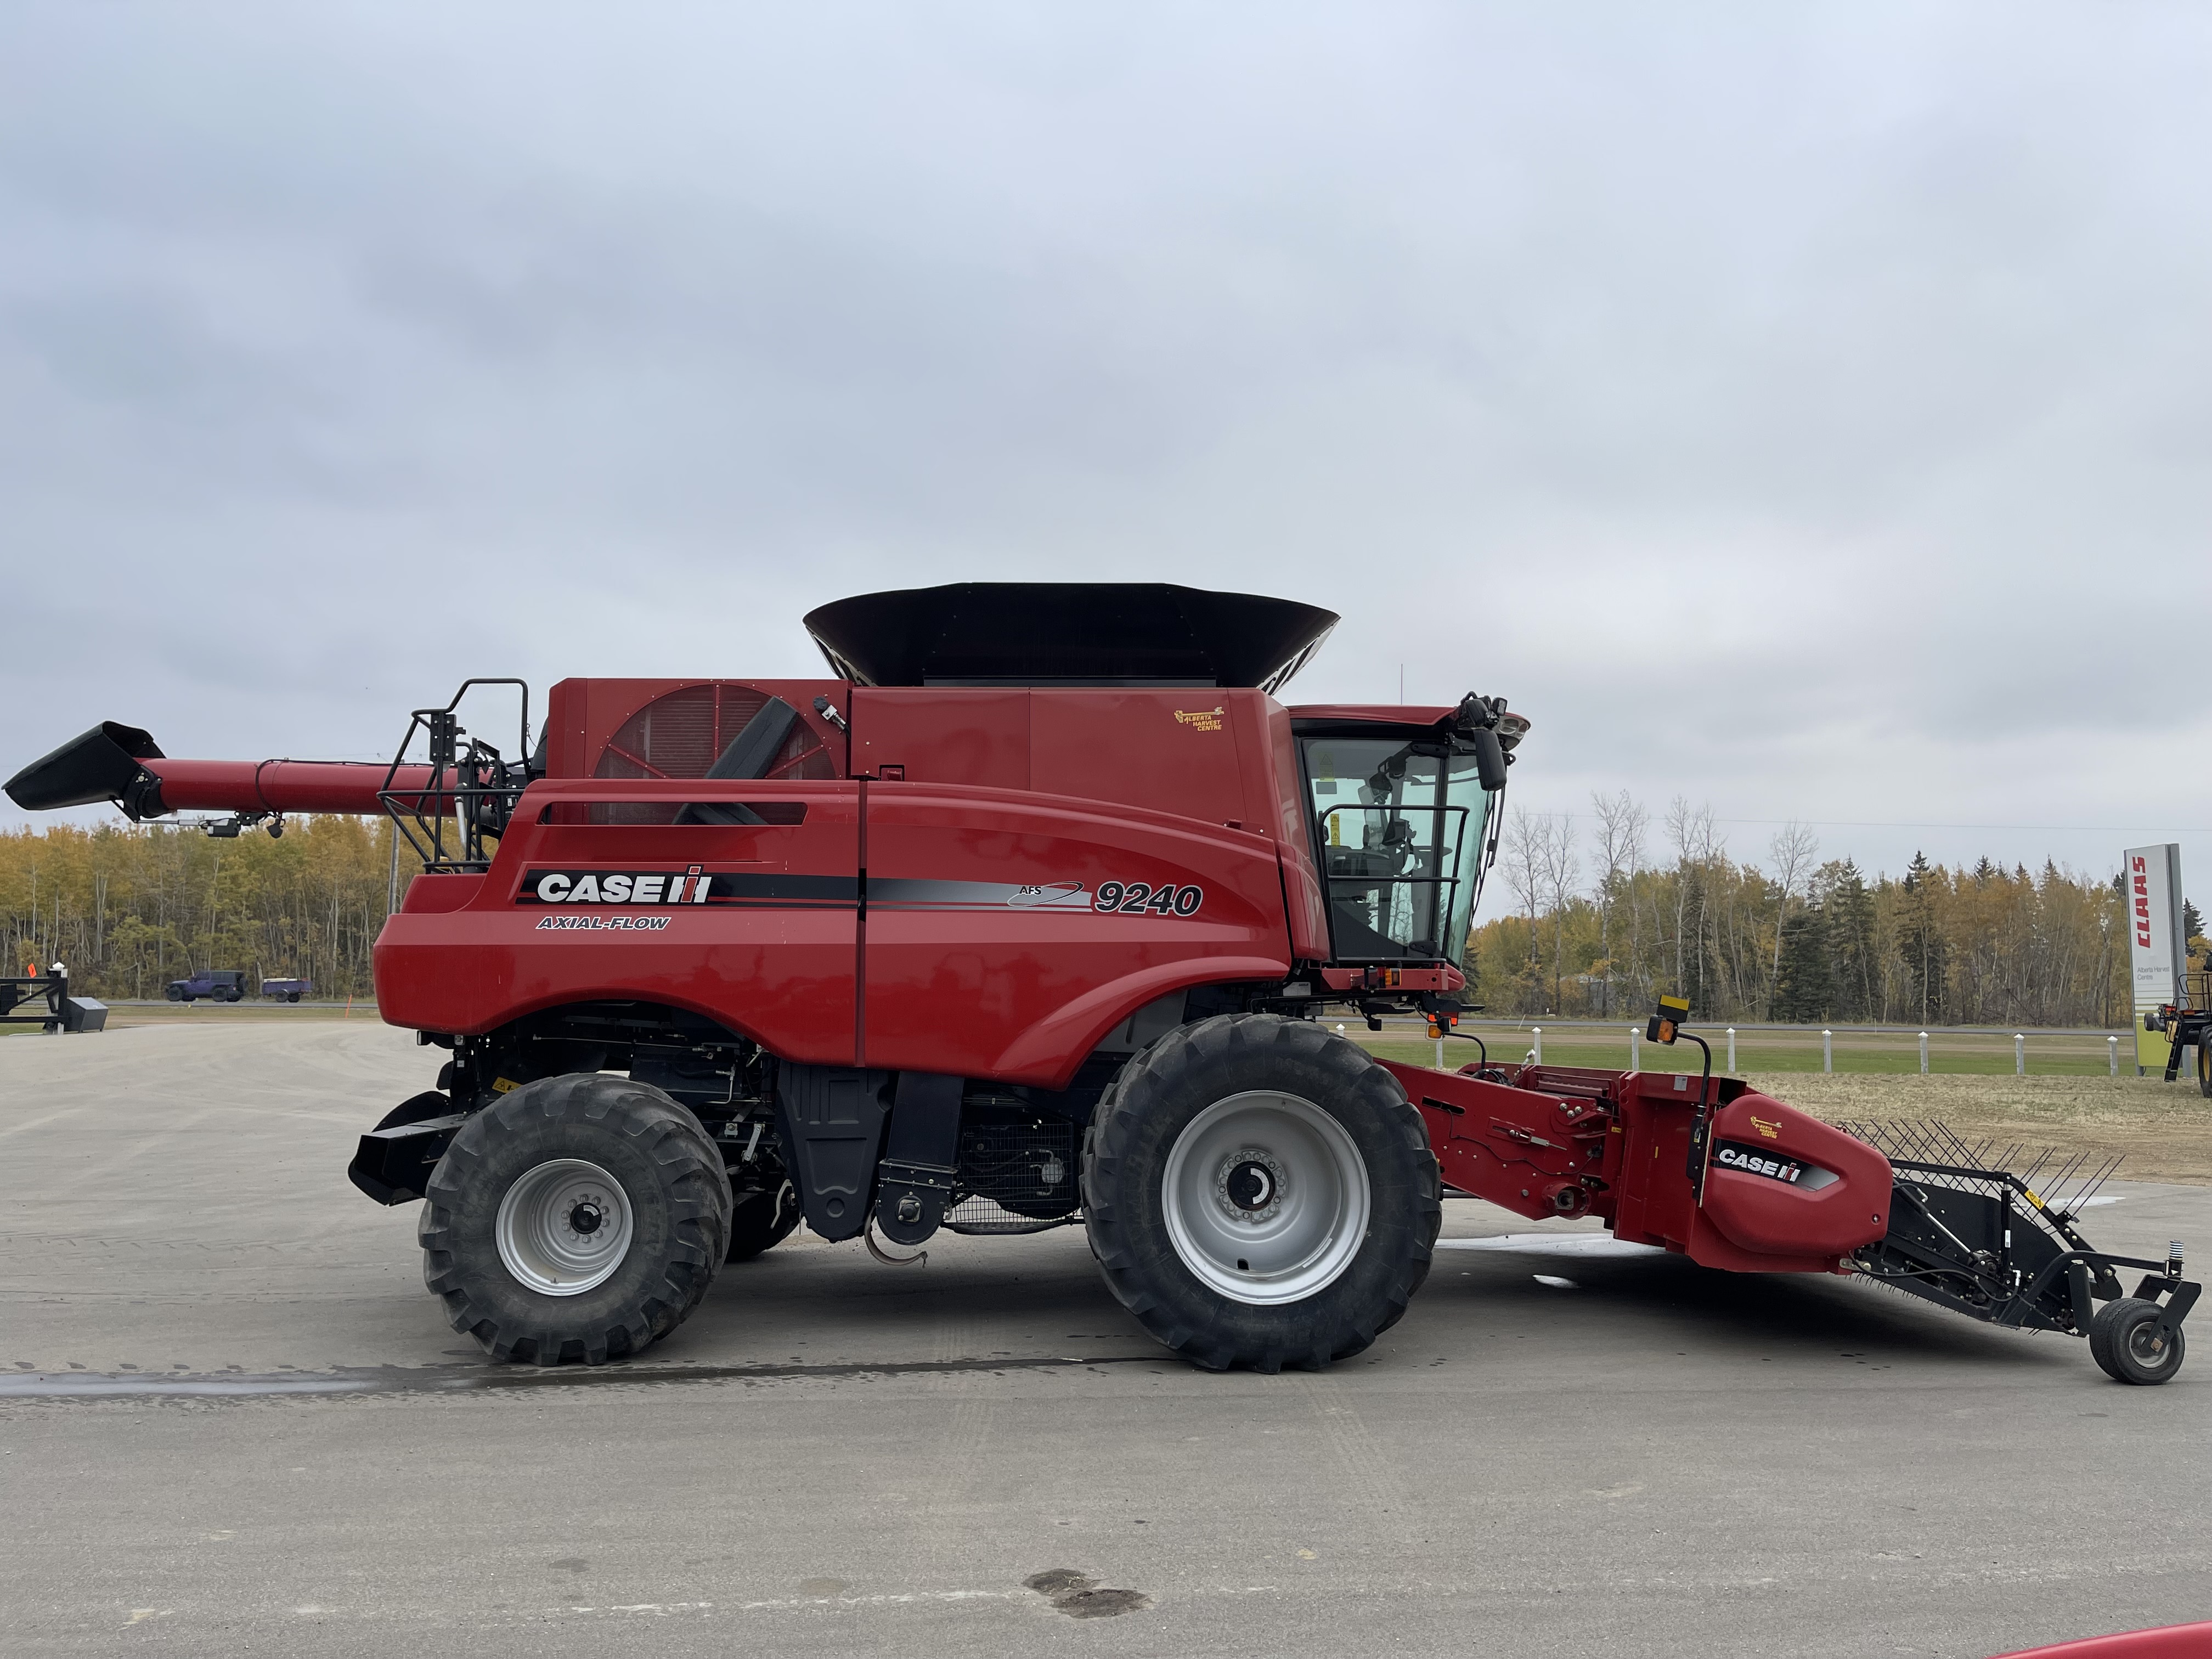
(1402,810)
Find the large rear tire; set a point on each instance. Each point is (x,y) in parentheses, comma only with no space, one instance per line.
(578,1218)
(2204,1064)
(1259,1192)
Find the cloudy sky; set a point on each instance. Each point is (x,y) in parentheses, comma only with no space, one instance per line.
(1803,409)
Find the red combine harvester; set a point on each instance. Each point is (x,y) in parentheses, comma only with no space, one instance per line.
(1029,917)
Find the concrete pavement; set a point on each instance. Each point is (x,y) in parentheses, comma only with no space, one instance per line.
(1626,1455)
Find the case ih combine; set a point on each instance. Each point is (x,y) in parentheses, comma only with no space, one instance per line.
(1029,916)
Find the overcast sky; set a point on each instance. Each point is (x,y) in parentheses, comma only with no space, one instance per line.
(1802,410)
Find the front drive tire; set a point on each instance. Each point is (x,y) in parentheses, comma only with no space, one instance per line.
(1259,1192)
(578,1218)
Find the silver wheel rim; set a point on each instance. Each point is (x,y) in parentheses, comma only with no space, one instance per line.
(2147,1344)
(563,1227)
(1265,1198)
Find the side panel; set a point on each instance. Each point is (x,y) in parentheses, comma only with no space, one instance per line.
(949,734)
(1165,751)
(1778,1182)
(770,951)
(1207,755)
(990,953)
(1655,1205)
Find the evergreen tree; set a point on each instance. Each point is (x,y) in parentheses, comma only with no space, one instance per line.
(1803,990)
(1848,919)
(1921,941)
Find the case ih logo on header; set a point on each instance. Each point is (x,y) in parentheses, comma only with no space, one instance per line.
(1757,1161)
(2140,870)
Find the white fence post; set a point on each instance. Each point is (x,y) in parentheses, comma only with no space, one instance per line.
(1635,1048)
(1731,1048)
(2019,1053)
(2112,1049)
(1827,1051)
(1923,1053)
(1537,1032)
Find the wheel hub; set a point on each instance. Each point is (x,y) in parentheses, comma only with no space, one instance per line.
(1265,1197)
(563,1227)
(1250,1185)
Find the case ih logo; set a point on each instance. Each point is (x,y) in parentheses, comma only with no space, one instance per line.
(2140,871)
(617,887)
(1756,1161)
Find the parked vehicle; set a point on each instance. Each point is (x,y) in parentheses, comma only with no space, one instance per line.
(2187,1024)
(216,984)
(1032,922)
(291,990)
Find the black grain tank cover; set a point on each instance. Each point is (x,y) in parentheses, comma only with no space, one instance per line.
(1069,634)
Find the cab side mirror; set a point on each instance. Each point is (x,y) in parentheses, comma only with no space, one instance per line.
(1489,758)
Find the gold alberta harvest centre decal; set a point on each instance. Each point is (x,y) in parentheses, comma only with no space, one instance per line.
(1200,719)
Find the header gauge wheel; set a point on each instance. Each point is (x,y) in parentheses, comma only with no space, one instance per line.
(2127,1343)
(1259,1192)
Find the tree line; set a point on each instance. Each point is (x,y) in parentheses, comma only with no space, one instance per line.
(128,908)
(1791,937)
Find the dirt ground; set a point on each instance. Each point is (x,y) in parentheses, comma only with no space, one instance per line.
(2164,1130)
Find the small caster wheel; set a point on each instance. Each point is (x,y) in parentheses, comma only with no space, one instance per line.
(2125,1340)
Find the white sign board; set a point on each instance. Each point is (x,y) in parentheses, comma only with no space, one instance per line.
(2155,946)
